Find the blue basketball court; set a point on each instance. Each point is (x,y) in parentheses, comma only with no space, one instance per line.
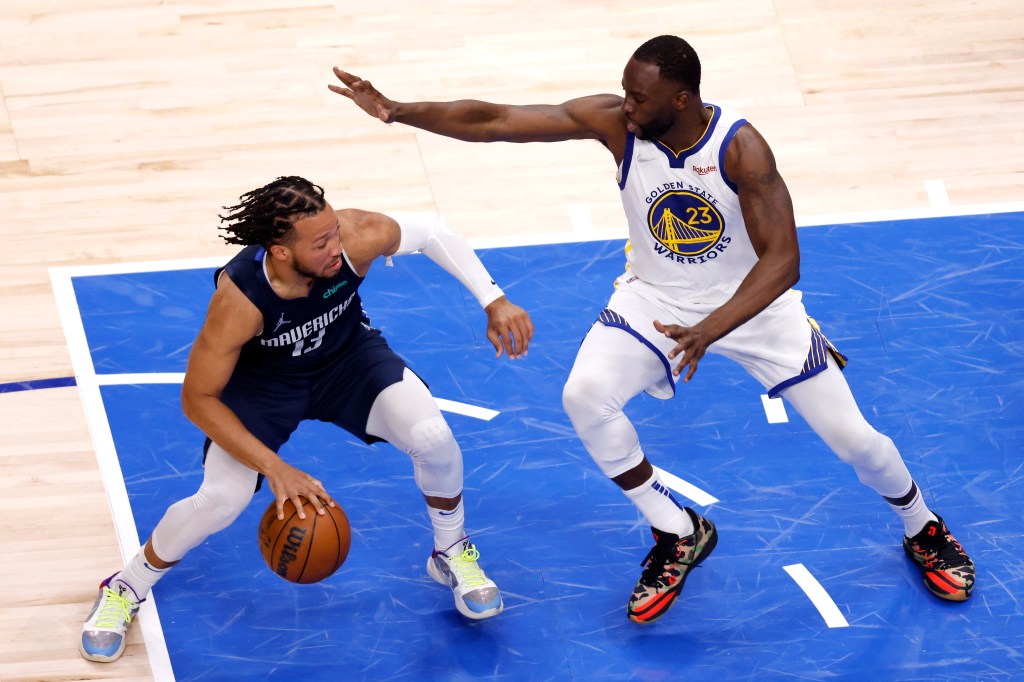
(808,582)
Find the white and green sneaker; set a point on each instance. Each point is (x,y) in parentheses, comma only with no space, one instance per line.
(103,631)
(476,596)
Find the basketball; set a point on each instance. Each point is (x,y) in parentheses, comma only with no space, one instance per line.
(304,550)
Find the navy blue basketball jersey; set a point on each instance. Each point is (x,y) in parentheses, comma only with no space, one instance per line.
(299,334)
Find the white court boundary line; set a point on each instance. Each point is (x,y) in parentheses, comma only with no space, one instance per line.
(110,470)
(817,594)
(106,458)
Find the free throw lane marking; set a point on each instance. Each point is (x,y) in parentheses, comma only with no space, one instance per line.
(688,490)
(818,596)
(177,377)
(774,409)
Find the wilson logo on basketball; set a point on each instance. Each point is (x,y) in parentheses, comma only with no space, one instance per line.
(289,552)
(704,170)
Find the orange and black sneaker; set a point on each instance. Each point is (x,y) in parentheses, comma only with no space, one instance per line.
(666,567)
(948,571)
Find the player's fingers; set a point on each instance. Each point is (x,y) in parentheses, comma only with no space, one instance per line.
(679,348)
(344,76)
(523,333)
(323,494)
(495,339)
(662,328)
(280,507)
(525,327)
(296,499)
(340,90)
(687,359)
(508,341)
(318,493)
(693,369)
(318,506)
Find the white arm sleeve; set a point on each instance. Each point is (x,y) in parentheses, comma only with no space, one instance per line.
(431,235)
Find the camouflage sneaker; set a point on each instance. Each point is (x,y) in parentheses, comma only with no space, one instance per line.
(666,567)
(948,571)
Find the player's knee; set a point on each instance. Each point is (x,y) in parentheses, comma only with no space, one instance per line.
(582,398)
(217,509)
(868,451)
(437,460)
(430,435)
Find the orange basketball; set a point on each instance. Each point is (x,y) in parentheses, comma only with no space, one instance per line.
(304,550)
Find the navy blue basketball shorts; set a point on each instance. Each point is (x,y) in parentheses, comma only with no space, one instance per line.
(271,406)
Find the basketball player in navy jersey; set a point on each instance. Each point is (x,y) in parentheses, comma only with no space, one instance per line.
(285,339)
(712,256)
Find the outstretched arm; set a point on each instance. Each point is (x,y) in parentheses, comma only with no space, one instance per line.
(596,117)
(368,236)
(768,214)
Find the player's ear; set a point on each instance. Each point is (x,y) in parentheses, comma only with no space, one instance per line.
(681,99)
(278,251)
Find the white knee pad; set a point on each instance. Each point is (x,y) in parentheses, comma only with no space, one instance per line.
(228,486)
(436,458)
(405,415)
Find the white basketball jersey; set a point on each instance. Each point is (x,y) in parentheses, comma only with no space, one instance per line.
(686,230)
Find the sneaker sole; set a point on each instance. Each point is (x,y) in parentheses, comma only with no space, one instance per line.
(459,605)
(100,658)
(664,602)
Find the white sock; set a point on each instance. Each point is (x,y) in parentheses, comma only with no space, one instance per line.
(912,509)
(139,575)
(661,510)
(449,526)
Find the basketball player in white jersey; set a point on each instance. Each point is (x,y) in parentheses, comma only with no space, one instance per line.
(711,258)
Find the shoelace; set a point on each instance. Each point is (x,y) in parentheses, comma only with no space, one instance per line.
(654,573)
(945,552)
(115,612)
(465,566)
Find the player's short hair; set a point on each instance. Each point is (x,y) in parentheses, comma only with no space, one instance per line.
(675,59)
(266,215)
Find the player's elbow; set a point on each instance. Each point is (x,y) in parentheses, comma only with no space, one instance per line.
(191,403)
(792,273)
(188,406)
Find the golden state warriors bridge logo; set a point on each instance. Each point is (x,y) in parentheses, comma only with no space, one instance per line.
(685,223)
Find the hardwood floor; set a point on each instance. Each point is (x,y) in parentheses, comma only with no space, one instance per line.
(126,124)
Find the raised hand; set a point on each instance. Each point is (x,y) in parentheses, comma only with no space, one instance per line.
(365,96)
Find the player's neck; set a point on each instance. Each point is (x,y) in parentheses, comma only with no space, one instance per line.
(286,281)
(689,129)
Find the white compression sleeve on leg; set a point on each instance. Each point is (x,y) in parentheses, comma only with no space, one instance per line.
(435,238)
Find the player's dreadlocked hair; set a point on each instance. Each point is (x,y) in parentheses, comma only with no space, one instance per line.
(266,215)
(675,60)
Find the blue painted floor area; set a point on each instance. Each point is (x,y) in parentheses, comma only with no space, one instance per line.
(930,313)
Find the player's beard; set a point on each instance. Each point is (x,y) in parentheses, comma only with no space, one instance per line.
(656,128)
(305,271)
